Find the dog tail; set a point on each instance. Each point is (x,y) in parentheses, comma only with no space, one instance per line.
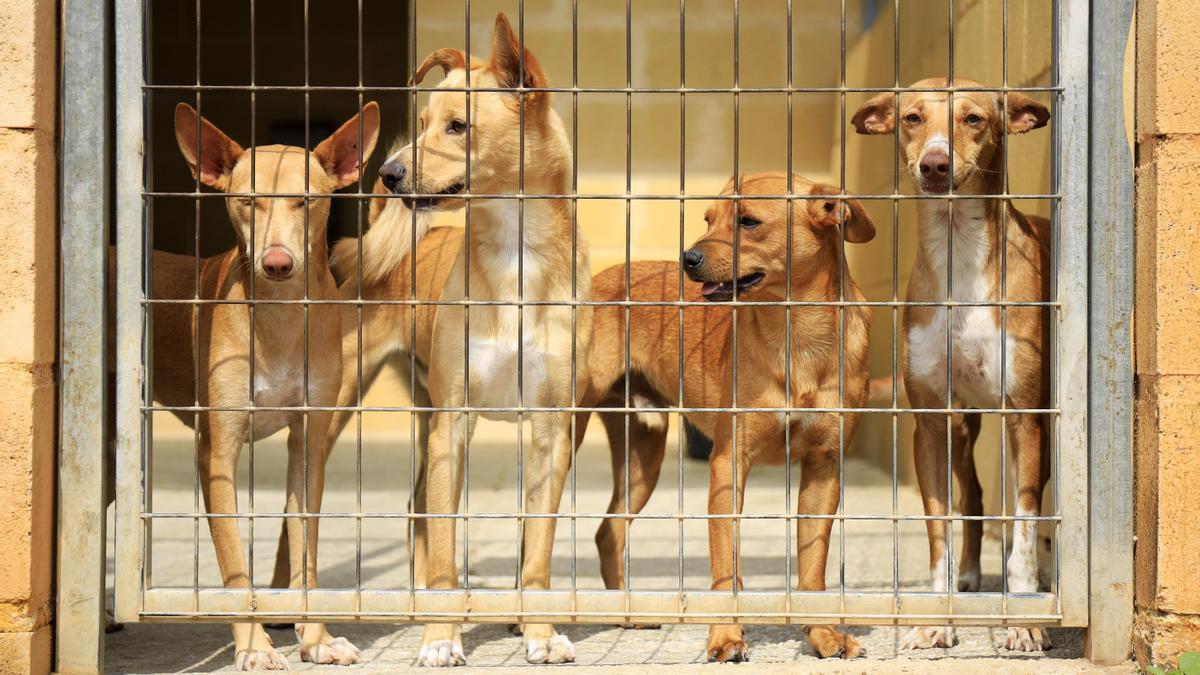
(388,239)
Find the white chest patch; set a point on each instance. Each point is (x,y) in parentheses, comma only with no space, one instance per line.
(974,346)
(282,386)
(494,375)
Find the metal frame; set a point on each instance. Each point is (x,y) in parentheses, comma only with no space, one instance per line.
(1093,229)
(83,366)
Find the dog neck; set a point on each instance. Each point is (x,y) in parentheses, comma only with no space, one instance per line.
(973,225)
(813,328)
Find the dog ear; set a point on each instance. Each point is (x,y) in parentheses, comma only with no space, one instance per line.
(506,61)
(877,115)
(1025,114)
(212,160)
(448,59)
(339,153)
(857,226)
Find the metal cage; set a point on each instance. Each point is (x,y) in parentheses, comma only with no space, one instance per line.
(1090,304)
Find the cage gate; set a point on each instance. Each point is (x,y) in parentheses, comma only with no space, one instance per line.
(169,518)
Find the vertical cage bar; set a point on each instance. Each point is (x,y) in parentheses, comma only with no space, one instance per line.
(1071,239)
(131,334)
(85,200)
(1110,385)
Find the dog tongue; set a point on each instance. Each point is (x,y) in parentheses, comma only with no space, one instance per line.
(709,288)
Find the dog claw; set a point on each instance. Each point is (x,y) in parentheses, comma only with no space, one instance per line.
(442,654)
(260,659)
(338,652)
(928,637)
(1027,640)
(556,649)
(734,653)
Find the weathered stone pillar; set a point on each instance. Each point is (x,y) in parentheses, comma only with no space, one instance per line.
(1167,475)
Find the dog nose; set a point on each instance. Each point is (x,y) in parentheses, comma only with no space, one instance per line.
(393,174)
(935,165)
(692,258)
(277,263)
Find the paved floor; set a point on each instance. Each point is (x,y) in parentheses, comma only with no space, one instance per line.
(867,563)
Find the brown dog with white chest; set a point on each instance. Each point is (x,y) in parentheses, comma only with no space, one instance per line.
(264,357)
(991,240)
(815,339)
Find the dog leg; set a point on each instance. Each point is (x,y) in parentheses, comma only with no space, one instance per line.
(220,444)
(441,645)
(965,431)
(546,466)
(1028,440)
(929,450)
(726,642)
(819,495)
(418,547)
(305,488)
(646,448)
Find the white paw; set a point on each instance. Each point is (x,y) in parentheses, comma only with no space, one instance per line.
(968,582)
(1027,640)
(928,637)
(441,654)
(557,649)
(338,651)
(260,659)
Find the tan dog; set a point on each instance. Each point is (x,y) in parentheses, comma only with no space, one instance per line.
(818,226)
(271,259)
(982,228)
(541,340)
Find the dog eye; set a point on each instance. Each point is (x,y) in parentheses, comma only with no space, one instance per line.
(245,201)
(912,118)
(749,223)
(973,119)
(456,127)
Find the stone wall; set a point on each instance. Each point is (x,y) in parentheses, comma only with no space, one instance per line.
(1167,423)
(28,226)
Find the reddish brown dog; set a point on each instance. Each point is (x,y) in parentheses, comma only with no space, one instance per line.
(764,335)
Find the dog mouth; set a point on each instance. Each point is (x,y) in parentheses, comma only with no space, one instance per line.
(431,202)
(719,291)
(935,187)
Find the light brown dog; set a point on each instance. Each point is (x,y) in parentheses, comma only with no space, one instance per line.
(514,252)
(761,228)
(982,231)
(276,259)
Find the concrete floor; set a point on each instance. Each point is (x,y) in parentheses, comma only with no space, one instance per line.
(867,564)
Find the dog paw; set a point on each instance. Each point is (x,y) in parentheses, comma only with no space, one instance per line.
(441,654)
(260,659)
(556,649)
(829,643)
(1027,640)
(726,645)
(337,651)
(968,581)
(929,637)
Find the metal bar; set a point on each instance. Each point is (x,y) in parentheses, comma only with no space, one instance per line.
(615,409)
(591,90)
(131,338)
(1071,242)
(596,515)
(496,606)
(612,196)
(619,303)
(1110,368)
(83,369)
